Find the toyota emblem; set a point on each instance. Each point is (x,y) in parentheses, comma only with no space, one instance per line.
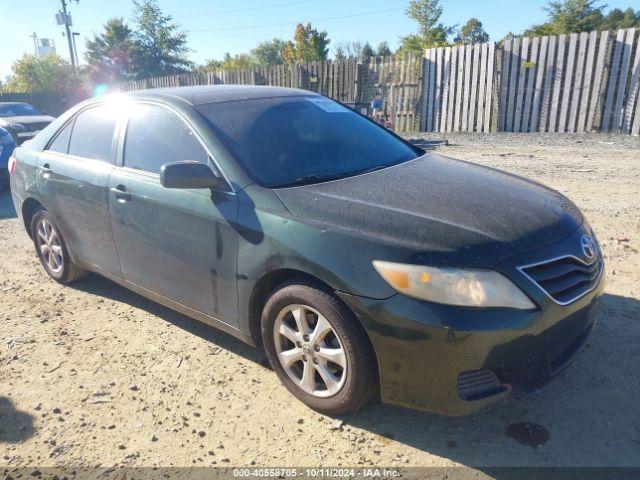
(588,247)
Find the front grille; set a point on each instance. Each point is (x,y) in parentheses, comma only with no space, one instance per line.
(565,279)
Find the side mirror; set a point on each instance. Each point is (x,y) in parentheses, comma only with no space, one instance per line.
(187,174)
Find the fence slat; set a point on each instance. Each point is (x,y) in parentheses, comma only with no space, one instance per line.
(522,74)
(504,84)
(531,76)
(557,84)
(467,87)
(577,82)
(594,100)
(473,99)
(482,82)
(634,93)
(548,82)
(611,87)
(622,82)
(586,86)
(537,93)
(488,104)
(566,94)
(515,57)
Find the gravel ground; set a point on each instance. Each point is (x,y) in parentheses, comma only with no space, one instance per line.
(93,375)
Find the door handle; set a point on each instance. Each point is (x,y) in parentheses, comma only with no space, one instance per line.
(120,193)
(46,170)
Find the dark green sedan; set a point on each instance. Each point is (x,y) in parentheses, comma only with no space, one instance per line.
(362,265)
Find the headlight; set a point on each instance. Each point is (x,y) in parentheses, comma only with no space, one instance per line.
(453,286)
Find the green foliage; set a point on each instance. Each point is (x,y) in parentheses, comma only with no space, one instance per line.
(472,32)
(269,53)
(113,55)
(617,19)
(575,16)
(383,50)
(163,47)
(569,16)
(308,45)
(242,61)
(339,53)
(431,32)
(367,51)
(47,73)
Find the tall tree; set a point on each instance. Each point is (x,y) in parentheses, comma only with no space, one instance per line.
(431,32)
(163,46)
(114,54)
(269,53)
(308,45)
(46,73)
(367,52)
(383,49)
(339,53)
(617,19)
(472,32)
(569,16)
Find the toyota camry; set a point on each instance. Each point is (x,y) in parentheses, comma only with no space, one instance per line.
(363,266)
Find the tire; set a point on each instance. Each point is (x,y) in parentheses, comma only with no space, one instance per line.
(331,388)
(47,238)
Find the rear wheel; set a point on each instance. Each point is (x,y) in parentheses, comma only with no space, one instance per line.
(52,250)
(318,349)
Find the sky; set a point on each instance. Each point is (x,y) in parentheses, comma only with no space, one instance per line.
(218,26)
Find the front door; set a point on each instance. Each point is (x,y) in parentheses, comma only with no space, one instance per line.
(73,177)
(177,243)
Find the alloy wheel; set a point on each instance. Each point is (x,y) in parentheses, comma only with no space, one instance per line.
(48,241)
(309,350)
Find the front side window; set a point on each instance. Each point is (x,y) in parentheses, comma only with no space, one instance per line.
(92,135)
(156,136)
(282,141)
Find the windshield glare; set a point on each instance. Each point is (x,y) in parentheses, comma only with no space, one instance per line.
(287,141)
(18,110)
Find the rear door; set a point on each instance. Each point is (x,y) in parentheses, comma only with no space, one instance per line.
(72,179)
(177,243)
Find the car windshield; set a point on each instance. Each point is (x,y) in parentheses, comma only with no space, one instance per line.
(18,110)
(286,141)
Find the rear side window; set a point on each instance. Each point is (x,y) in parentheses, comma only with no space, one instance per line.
(60,144)
(92,134)
(157,136)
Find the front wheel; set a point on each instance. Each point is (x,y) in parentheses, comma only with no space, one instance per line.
(318,349)
(52,250)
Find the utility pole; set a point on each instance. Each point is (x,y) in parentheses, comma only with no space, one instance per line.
(70,38)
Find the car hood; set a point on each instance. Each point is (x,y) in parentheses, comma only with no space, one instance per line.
(446,211)
(26,120)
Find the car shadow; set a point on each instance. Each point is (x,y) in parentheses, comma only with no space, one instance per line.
(103,287)
(15,425)
(590,415)
(6,204)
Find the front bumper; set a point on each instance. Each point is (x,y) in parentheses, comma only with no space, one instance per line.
(429,355)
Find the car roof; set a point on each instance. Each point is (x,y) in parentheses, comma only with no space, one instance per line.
(200,95)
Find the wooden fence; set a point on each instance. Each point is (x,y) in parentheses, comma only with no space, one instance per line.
(587,82)
(397,78)
(567,83)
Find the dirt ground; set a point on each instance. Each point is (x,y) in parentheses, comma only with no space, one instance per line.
(94,375)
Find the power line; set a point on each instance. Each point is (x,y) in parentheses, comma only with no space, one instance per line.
(250,9)
(295,23)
